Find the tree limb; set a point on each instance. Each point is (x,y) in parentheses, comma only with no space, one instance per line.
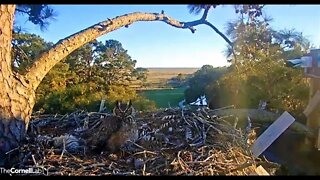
(224,37)
(219,32)
(205,13)
(64,47)
(21,11)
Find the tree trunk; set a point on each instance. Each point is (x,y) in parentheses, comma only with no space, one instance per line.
(16,98)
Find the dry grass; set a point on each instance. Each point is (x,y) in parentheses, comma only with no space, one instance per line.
(159,76)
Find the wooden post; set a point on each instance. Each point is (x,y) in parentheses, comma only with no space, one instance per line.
(313,118)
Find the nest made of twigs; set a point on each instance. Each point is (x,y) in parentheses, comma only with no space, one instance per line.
(172,142)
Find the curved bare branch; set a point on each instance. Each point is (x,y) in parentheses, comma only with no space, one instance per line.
(64,47)
(219,32)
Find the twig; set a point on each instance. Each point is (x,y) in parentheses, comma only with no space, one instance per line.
(34,160)
(64,148)
(226,107)
(145,152)
(144,169)
(182,164)
(137,145)
(10,151)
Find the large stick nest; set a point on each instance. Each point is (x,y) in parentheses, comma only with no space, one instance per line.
(171,142)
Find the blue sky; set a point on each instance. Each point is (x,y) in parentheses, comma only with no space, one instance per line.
(156,44)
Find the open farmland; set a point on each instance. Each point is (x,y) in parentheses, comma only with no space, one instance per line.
(158,77)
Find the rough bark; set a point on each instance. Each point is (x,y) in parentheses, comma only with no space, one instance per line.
(16,98)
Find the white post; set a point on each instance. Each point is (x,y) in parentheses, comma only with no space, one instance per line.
(101,105)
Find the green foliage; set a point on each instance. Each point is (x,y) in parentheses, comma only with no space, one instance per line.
(93,72)
(26,47)
(115,64)
(143,104)
(200,80)
(38,14)
(179,81)
(197,8)
(282,86)
(260,72)
(70,99)
(117,92)
(141,74)
(252,10)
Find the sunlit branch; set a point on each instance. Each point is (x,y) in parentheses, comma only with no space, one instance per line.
(64,47)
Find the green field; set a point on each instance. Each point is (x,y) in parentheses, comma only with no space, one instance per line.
(163,97)
(158,90)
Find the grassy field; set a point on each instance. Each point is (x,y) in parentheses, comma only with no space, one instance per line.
(157,77)
(157,88)
(163,97)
